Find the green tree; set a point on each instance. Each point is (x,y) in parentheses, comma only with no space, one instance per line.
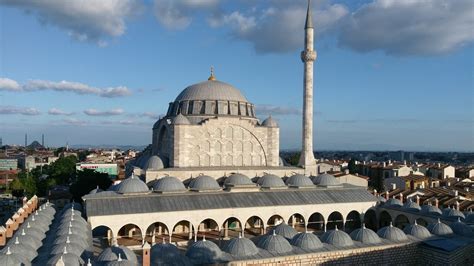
(86,181)
(63,170)
(352,166)
(16,188)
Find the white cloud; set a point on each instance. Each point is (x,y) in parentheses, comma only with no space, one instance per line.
(409,27)
(56,111)
(12,110)
(268,109)
(64,86)
(151,115)
(95,112)
(84,20)
(178,14)
(74,122)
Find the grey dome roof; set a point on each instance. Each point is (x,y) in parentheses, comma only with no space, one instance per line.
(393,202)
(211,90)
(417,230)
(274,243)
(469,217)
(28,239)
(439,228)
(74,238)
(283,230)
(269,122)
(167,254)
(453,213)
(16,247)
(111,254)
(9,259)
(270,181)
(381,199)
(237,179)
(461,228)
(34,231)
(203,252)
(180,120)
(365,235)
(132,185)
(119,262)
(308,241)
(72,248)
(299,180)
(240,247)
(326,180)
(430,209)
(203,183)
(392,233)
(168,184)
(75,205)
(154,163)
(68,259)
(411,206)
(337,238)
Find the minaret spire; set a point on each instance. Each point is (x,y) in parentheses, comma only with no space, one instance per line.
(308,56)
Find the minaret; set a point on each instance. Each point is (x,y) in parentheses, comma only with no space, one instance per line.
(26,140)
(308,56)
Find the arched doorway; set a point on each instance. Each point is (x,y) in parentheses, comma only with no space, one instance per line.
(335,219)
(208,228)
(370,220)
(385,219)
(129,235)
(254,226)
(182,231)
(103,234)
(422,222)
(401,221)
(316,222)
(297,221)
(352,221)
(157,233)
(275,220)
(231,227)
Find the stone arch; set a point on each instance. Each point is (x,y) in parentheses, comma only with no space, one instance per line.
(156,233)
(385,219)
(240,160)
(182,231)
(162,137)
(298,222)
(229,146)
(422,222)
(255,226)
(218,133)
(247,147)
(208,228)
(129,235)
(335,219)
(206,160)
(229,160)
(401,221)
(218,146)
(206,146)
(352,221)
(217,160)
(239,146)
(231,227)
(275,220)
(228,132)
(316,222)
(370,220)
(104,234)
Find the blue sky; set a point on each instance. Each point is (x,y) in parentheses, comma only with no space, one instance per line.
(389,74)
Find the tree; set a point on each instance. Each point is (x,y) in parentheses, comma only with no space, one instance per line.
(352,167)
(63,170)
(86,181)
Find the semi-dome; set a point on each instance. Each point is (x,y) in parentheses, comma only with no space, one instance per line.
(392,233)
(430,209)
(326,180)
(440,228)
(283,230)
(270,181)
(305,240)
(204,252)
(337,238)
(461,228)
(167,254)
(204,183)
(453,213)
(236,180)
(168,184)
(411,206)
(417,230)
(365,235)
(154,163)
(211,90)
(112,253)
(299,180)
(240,247)
(269,122)
(274,243)
(393,202)
(132,185)
(180,119)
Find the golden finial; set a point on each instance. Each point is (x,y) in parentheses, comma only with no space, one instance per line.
(212,77)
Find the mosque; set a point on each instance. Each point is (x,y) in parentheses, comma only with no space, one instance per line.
(211,189)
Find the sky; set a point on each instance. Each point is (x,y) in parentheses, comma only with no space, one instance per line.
(390,75)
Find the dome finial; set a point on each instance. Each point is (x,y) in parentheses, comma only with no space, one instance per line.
(212,77)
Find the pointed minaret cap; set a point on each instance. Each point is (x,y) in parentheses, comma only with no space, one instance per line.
(309,17)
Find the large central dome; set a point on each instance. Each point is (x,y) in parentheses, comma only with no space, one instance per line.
(211,90)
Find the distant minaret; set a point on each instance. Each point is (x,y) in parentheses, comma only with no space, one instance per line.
(26,140)
(42,140)
(1,142)
(308,56)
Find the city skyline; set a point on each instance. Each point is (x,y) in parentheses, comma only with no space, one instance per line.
(109,78)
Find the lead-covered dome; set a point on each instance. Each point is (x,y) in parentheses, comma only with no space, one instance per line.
(307,241)
(236,180)
(411,206)
(154,163)
(132,185)
(392,233)
(299,180)
(337,238)
(417,230)
(168,184)
(240,247)
(430,209)
(204,183)
(274,243)
(365,235)
(204,252)
(270,181)
(440,228)
(211,90)
(283,230)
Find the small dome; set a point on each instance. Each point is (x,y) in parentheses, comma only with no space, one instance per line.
(270,181)
(326,180)
(70,247)
(439,228)
(167,254)
(240,247)
(112,253)
(281,161)
(308,241)
(28,240)
(168,184)
(203,252)
(381,199)
(76,238)
(120,262)
(283,230)
(299,180)
(469,218)
(236,180)
(393,202)
(461,228)
(65,258)
(7,258)
(19,249)
(411,206)
(430,209)
(417,231)
(392,233)
(154,163)
(204,183)
(269,122)
(365,235)
(337,238)
(274,243)
(132,185)
(33,231)
(453,213)
(180,120)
